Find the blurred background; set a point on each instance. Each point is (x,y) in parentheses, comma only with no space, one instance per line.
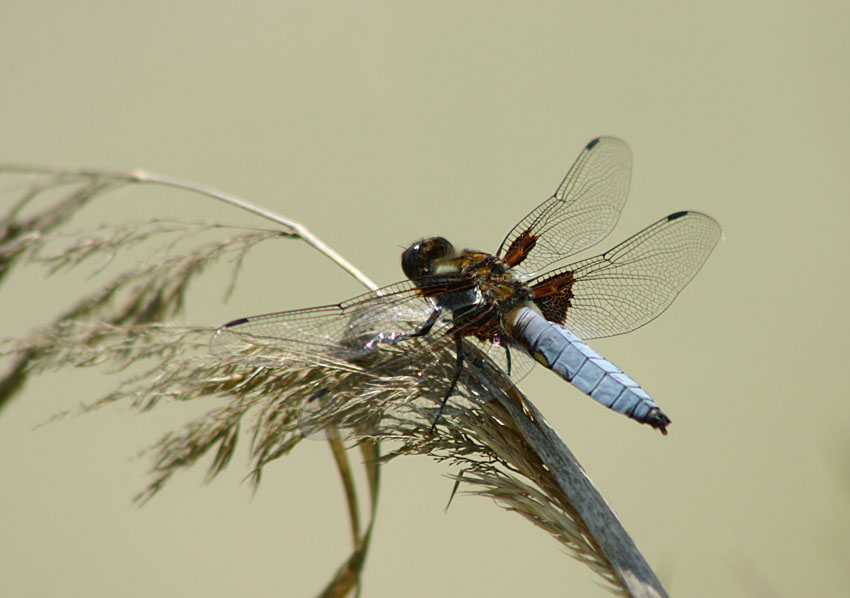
(376,123)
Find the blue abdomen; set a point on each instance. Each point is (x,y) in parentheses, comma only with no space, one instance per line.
(571,358)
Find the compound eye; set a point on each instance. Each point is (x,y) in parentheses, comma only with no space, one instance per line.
(418,259)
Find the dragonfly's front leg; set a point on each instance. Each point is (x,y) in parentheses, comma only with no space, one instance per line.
(391,338)
(428,325)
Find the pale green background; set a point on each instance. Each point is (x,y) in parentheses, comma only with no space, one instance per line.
(379,122)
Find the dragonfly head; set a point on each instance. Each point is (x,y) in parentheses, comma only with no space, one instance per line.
(419,259)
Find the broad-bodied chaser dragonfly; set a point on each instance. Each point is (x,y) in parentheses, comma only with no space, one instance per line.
(506,304)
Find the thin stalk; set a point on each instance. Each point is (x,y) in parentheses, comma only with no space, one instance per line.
(299,229)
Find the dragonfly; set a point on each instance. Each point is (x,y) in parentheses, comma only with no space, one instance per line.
(520,305)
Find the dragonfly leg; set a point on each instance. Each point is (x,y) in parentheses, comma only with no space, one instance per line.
(507,357)
(453,385)
(427,325)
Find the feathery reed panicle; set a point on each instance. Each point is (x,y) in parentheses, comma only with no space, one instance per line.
(499,443)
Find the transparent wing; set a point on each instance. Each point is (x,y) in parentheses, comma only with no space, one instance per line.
(631,284)
(582,212)
(366,343)
(330,334)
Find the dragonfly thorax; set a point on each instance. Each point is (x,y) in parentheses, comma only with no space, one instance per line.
(497,283)
(462,279)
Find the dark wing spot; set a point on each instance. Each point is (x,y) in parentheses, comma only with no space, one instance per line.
(318,394)
(593,143)
(676,215)
(235,322)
